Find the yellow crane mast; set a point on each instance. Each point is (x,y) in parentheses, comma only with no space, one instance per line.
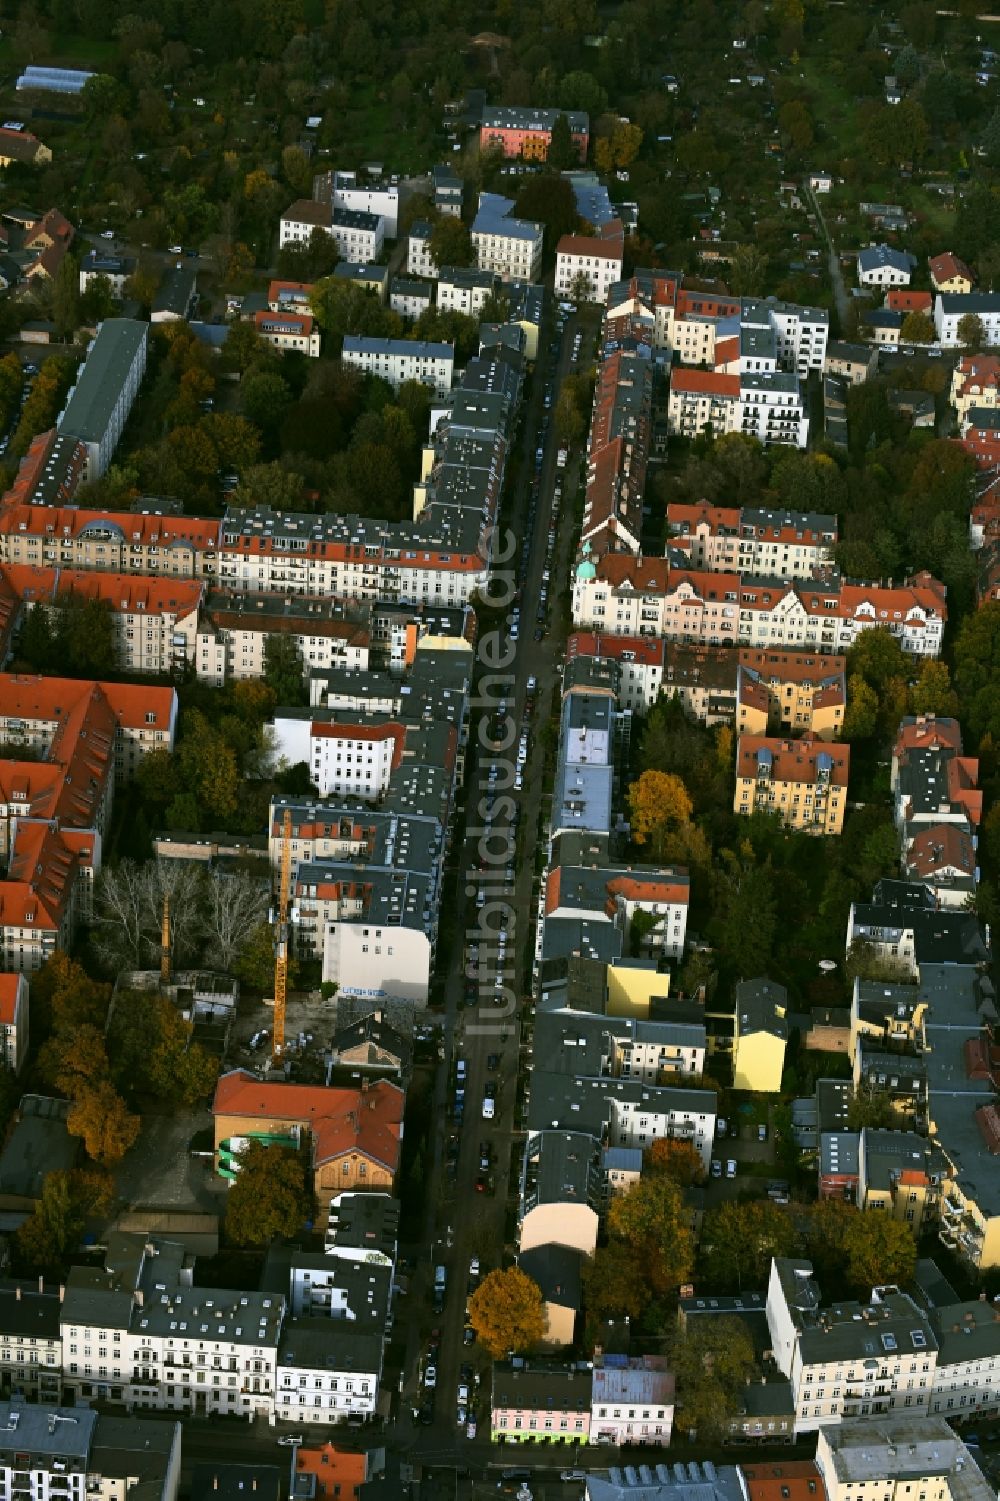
(281,937)
(165,942)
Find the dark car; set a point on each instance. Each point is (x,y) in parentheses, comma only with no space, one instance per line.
(468,1335)
(481,1184)
(492,1062)
(427,1414)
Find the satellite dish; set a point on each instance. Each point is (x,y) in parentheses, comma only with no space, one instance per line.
(826,965)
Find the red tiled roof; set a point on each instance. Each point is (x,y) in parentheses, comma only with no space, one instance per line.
(797,1479)
(25,696)
(367,1120)
(704,383)
(793,760)
(645,651)
(336,1472)
(792,666)
(909,300)
(9,986)
(945,266)
(126,593)
(136,529)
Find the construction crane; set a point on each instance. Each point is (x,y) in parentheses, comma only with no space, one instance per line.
(281,938)
(165,942)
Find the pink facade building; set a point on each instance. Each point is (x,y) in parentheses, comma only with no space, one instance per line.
(527,132)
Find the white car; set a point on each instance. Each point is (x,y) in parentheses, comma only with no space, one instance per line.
(489,1109)
(463,1394)
(470,1431)
(107,234)
(430,1377)
(474,1267)
(288,1439)
(176,250)
(731,1168)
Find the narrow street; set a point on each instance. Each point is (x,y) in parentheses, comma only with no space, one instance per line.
(840,292)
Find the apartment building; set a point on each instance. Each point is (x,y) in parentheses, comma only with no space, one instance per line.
(967,1378)
(733,539)
(448,190)
(30,1342)
(793,692)
(287,331)
(533,1403)
(507,246)
(147,612)
(760,1035)
(855,363)
(625,1112)
(852,1360)
(81,737)
(115,269)
(50,473)
(399,360)
(463,289)
(14,1022)
(121,542)
(897,1458)
(898,1176)
(409,297)
(803,781)
(560,1191)
(344,191)
(951,307)
(49,1452)
(588,266)
(225,640)
(359,235)
(771,409)
(98,404)
(419,260)
(631,1401)
(975,384)
(521,131)
(289,296)
(650,597)
(608,894)
(703,400)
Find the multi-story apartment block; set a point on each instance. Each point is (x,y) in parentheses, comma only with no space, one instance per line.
(803,781)
(71,1452)
(30,1342)
(343,190)
(731,539)
(359,236)
(14,1023)
(526,132)
(793,692)
(617,454)
(409,297)
(760,1035)
(951,307)
(975,384)
(118,541)
(771,409)
(147,611)
(284,331)
(898,1176)
(898,1458)
(588,266)
(967,1377)
(649,597)
(289,296)
(399,360)
(463,289)
(854,1360)
(115,269)
(99,402)
(80,738)
(419,260)
(225,640)
(535,1403)
(702,400)
(703,678)
(610,894)
(448,189)
(632,1401)
(510,247)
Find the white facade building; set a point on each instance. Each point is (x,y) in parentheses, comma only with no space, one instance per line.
(419,261)
(588,266)
(464,290)
(510,247)
(399,360)
(951,307)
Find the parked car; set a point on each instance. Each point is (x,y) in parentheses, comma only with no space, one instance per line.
(731,1168)
(430,1377)
(468,1335)
(762,1133)
(470,1427)
(716,1168)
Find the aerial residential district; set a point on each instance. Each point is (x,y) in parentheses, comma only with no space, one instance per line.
(499,751)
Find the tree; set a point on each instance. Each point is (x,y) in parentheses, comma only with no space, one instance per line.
(101,1117)
(451,242)
(650,1220)
(235,905)
(614,1285)
(659,803)
(74,1059)
(620,148)
(265,398)
(128,911)
(879,1250)
(569,422)
(861,716)
(562,153)
(270,1199)
(54,1223)
(748,271)
(66,296)
(712,1360)
(932,693)
(254,964)
(739,1240)
(971,332)
(507,1312)
(63,996)
(794,121)
(878,658)
(677,1160)
(918,328)
(976,657)
(871,1108)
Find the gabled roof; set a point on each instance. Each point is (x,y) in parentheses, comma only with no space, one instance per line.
(366,1120)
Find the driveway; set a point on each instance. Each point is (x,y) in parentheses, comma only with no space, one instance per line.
(840,292)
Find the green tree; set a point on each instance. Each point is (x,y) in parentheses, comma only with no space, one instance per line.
(932,692)
(270,1198)
(451,242)
(795,122)
(739,1240)
(66,296)
(284,670)
(650,1220)
(976,657)
(971,332)
(562,153)
(86,638)
(265,398)
(614,1285)
(548,200)
(712,1361)
(507,1312)
(53,1226)
(861,716)
(872,1108)
(254,965)
(879,1250)
(569,423)
(748,271)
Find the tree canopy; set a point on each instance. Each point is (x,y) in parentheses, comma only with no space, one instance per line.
(507,1312)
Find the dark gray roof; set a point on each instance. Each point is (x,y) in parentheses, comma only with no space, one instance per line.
(101,377)
(556,1269)
(758,1003)
(538,1387)
(326,1344)
(225,1480)
(175,292)
(26,1312)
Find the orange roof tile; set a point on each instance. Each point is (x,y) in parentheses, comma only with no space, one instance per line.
(337,1473)
(793,760)
(9,987)
(366,1120)
(704,383)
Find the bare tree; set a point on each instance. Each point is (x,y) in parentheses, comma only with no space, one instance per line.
(234,906)
(128,912)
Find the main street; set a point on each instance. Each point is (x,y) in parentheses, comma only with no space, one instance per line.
(461,1222)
